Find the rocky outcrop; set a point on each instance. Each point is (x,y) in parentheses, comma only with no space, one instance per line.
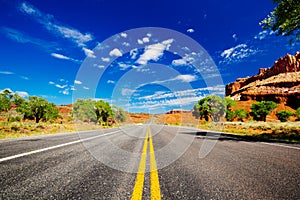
(280,83)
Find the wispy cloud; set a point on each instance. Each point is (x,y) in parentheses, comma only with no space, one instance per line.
(6,73)
(55,27)
(234,36)
(63,57)
(237,54)
(89,53)
(111,82)
(77,82)
(20,37)
(22,93)
(154,51)
(176,98)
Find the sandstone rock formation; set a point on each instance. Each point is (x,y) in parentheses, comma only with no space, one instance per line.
(279,83)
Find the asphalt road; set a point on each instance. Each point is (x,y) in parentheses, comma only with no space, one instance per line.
(103,165)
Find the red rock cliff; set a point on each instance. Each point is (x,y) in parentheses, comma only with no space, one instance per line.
(280,83)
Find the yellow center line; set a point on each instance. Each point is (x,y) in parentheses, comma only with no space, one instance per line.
(154,180)
(139,184)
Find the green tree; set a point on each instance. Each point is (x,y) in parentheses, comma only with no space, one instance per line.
(103,111)
(298,113)
(284,19)
(118,113)
(230,115)
(260,110)
(38,109)
(85,110)
(211,107)
(284,115)
(196,111)
(241,114)
(5,100)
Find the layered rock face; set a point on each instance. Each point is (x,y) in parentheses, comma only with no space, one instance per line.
(279,83)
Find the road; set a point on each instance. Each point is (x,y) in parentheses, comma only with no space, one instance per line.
(101,165)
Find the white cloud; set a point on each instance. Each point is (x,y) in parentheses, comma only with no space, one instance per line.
(154,51)
(111,81)
(190,30)
(63,57)
(186,78)
(24,78)
(140,41)
(51,83)
(127,91)
(124,66)
(237,53)
(146,40)
(65,91)
(234,36)
(77,82)
(105,59)
(88,52)
(60,56)
(115,52)
(149,35)
(60,86)
(134,53)
(86,88)
(124,35)
(262,35)
(126,44)
(55,27)
(6,73)
(99,66)
(187,59)
(22,93)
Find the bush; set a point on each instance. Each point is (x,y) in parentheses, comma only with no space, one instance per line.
(298,113)
(284,115)
(260,110)
(241,114)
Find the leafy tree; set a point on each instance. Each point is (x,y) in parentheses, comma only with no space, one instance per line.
(38,109)
(85,110)
(298,113)
(241,114)
(284,18)
(229,113)
(211,107)
(17,100)
(103,111)
(195,111)
(118,113)
(5,100)
(260,110)
(284,115)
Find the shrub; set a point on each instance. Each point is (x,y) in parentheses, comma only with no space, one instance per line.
(284,115)
(298,113)
(260,110)
(241,114)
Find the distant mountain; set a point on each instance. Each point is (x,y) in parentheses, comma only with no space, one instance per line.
(279,83)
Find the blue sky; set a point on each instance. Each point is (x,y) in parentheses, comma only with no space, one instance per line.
(63,50)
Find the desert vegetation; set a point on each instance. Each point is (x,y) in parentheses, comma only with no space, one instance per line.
(35,115)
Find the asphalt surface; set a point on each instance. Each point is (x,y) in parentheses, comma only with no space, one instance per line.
(103,165)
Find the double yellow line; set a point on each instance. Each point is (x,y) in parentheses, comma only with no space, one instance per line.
(137,193)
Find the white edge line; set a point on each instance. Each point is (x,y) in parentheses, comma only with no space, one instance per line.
(53,147)
(280,145)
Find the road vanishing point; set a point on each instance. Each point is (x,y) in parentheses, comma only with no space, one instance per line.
(63,166)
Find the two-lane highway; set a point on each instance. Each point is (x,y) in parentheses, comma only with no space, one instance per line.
(166,162)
